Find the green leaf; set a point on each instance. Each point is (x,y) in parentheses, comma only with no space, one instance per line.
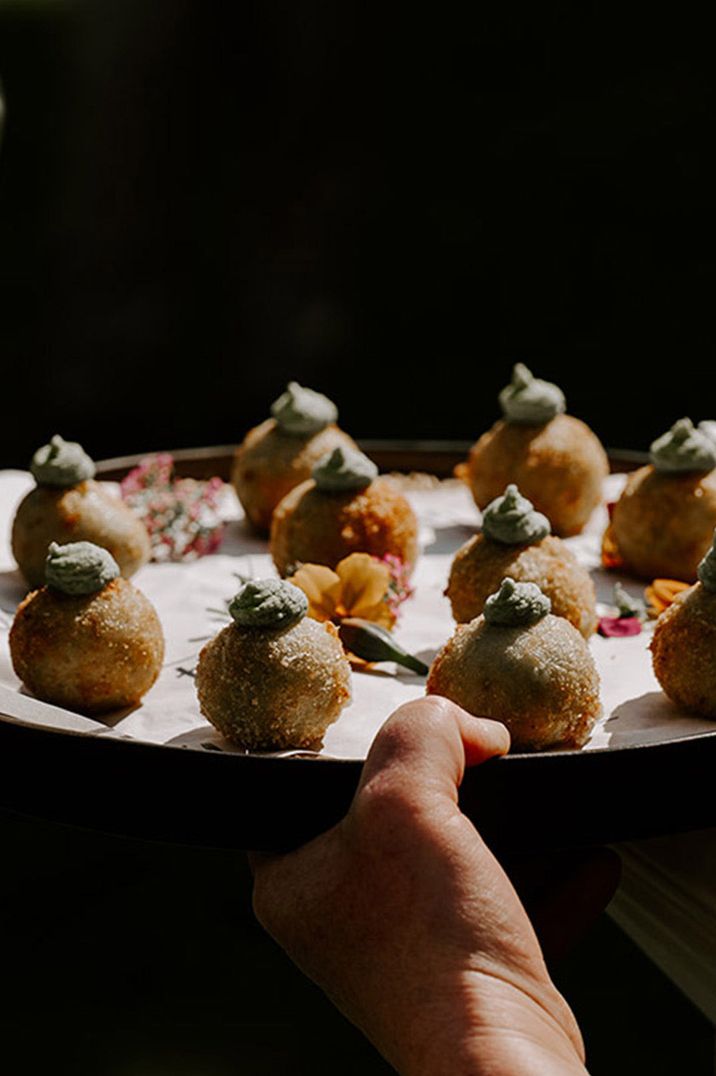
(371,642)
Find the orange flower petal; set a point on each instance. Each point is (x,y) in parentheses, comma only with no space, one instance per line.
(662,592)
(321,586)
(379,614)
(365,582)
(611,557)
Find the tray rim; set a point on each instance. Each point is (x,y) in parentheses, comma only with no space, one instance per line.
(631,458)
(505,773)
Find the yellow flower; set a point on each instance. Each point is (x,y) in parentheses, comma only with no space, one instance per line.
(357,588)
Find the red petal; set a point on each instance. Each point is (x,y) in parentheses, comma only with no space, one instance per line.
(619,626)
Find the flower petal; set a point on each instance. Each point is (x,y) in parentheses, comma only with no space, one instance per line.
(321,586)
(611,557)
(616,626)
(365,582)
(662,592)
(381,613)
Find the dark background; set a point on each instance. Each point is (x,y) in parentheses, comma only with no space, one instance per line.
(199,201)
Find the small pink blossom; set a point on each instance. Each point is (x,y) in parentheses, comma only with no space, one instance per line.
(182,515)
(614,627)
(400,588)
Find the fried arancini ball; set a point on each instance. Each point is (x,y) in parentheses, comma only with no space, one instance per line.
(683,650)
(663,523)
(84,512)
(273,690)
(560,466)
(540,680)
(88,652)
(481,564)
(269,463)
(313,527)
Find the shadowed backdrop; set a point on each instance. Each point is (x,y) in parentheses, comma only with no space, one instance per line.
(198,202)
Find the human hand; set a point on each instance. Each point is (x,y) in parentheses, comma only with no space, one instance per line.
(407,921)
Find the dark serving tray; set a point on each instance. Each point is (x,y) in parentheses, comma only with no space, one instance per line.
(520,802)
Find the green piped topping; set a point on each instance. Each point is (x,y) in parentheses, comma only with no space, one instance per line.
(706,570)
(683,448)
(79,568)
(529,401)
(344,469)
(61,463)
(301,412)
(516,605)
(513,520)
(268,603)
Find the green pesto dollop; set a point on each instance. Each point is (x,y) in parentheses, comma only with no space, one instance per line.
(706,570)
(300,411)
(61,463)
(79,567)
(529,401)
(683,448)
(344,469)
(516,605)
(268,603)
(513,520)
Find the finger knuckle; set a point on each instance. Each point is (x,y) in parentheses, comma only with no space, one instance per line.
(383,798)
(441,709)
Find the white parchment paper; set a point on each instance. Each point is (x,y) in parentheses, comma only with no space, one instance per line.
(187,597)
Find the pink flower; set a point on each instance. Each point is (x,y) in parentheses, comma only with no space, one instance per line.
(399,588)
(619,626)
(182,515)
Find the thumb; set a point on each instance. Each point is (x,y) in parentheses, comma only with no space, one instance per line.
(429,742)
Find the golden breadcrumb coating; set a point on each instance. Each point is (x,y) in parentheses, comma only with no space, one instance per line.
(683,651)
(663,524)
(82,513)
(268,464)
(540,681)
(559,466)
(274,690)
(91,653)
(311,527)
(481,564)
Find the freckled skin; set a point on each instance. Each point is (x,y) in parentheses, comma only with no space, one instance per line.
(269,464)
(481,564)
(82,513)
(559,466)
(663,524)
(273,690)
(90,653)
(683,651)
(540,681)
(311,527)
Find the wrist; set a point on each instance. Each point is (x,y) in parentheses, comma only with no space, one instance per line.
(486,1025)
